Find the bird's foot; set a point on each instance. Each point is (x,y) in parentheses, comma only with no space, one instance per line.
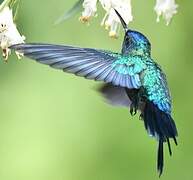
(141,117)
(133,108)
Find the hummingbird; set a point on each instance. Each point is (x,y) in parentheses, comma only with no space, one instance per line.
(131,78)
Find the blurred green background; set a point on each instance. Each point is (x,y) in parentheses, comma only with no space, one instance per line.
(55,126)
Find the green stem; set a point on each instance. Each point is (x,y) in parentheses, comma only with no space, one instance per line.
(71,12)
(9,3)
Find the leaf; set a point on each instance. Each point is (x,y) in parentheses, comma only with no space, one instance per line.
(16,10)
(71,12)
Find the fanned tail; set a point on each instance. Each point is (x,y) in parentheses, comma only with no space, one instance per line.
(160,125)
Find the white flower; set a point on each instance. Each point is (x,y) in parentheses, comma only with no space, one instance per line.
(90,9)
(166,8)
(111,20)
(9,34)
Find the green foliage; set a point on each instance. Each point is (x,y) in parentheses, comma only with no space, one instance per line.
(71,12)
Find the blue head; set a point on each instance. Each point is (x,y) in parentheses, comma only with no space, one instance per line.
(134,41)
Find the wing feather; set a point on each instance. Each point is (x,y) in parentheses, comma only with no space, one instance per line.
(89,63)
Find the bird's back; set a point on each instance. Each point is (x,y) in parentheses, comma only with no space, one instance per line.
(155,84)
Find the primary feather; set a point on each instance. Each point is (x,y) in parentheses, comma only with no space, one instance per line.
(89,63)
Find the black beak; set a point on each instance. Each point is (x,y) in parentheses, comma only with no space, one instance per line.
(122,21)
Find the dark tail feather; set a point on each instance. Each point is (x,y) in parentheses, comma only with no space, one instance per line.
(160,125)
(160,158)
(169,147)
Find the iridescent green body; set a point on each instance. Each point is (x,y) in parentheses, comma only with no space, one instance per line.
(152,79)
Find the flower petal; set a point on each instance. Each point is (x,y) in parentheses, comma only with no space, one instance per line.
(166,8)
(111,21)
(9,35)
(90,9)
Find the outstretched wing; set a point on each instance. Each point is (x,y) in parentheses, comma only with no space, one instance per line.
(89,63)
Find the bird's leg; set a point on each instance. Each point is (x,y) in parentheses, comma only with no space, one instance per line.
(133,95)
(134,107)
(142,102)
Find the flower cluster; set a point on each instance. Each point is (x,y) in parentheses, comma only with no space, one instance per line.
(9,35)
(110,21)
(166,8)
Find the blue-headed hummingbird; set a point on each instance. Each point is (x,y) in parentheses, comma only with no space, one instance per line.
(132,78)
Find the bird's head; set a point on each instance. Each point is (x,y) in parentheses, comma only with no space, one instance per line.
(134,40)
